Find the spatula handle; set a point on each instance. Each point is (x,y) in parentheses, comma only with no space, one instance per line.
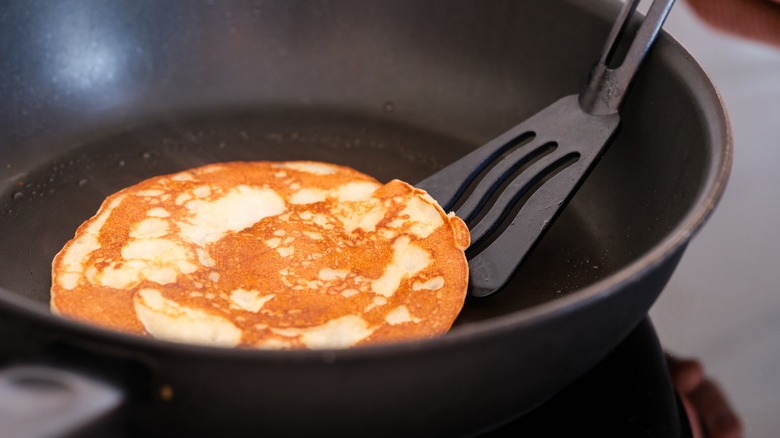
(608,83)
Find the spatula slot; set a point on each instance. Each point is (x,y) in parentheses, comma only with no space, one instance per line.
(487,168)
(511,197)
(484,191)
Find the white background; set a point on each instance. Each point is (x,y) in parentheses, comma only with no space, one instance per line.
(723,302)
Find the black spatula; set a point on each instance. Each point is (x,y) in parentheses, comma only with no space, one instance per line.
(509,190)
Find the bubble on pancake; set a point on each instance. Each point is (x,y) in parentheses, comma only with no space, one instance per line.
(267,255)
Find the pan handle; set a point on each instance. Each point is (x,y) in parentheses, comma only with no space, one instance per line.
(38,400)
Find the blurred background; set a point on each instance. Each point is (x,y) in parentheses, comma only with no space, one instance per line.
(723,304)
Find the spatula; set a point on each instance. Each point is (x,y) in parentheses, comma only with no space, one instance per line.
(509,190)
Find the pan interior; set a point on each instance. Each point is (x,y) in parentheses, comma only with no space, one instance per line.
(277,83)
(42,210)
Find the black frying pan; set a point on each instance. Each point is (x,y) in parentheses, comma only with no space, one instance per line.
(99,95)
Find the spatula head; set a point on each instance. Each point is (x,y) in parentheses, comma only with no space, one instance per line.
(510,190)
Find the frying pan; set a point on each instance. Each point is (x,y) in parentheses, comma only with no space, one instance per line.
(99,95)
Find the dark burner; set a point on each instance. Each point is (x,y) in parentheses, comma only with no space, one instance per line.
(628,394)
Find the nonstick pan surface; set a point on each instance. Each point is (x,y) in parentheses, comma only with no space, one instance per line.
(98,96)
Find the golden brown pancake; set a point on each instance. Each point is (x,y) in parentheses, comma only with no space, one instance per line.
(266,255)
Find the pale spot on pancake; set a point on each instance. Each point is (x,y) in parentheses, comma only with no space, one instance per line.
(313,235)
(120,276)
(202,191)
(371,219)
(342,332)
(349,293)
(149,228)
(240,208)
(181,199)
(183,176)
(425,217)
(186,267)
(167,319)
(249,300)
(280,233)
(159,251)
(309,167)
(389,282)
(321,220)
(204,258)
(386,234)
(280,174)
(396,223)
(69,280)
(328,274)
(91,274)
(273,242)
(400,315)
(434,283)
(356,191)
(164,275)
(376,302)
(308,196)
(158,260)
(214,276)
(151,193)
(78,251)
(286,251)
(158,212)
(363,215)
(408,259)
(212,168)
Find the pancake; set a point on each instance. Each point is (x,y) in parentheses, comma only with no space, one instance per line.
(283,255)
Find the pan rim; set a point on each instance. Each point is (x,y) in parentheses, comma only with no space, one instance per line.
(713,186)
